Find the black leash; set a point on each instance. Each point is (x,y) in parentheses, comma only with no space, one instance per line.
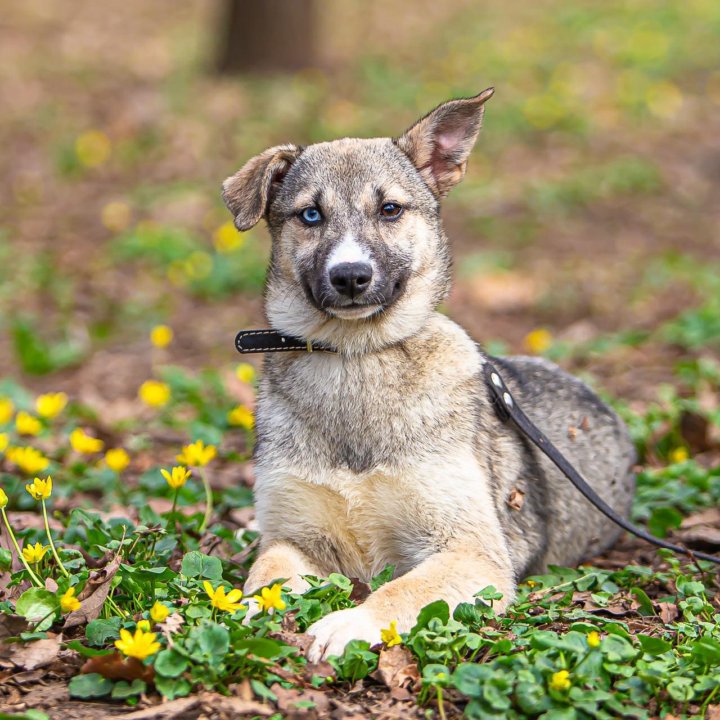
(253,341)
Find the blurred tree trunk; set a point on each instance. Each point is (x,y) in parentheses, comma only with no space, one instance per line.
(267,35)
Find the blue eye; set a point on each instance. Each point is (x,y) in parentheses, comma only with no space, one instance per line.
(311,216)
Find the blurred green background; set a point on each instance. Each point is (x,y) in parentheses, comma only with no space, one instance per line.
(588,226)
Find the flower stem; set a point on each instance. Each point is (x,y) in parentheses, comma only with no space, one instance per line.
(32,575)
(52,544)
(208,501)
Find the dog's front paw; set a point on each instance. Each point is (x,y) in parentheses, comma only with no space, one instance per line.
(336,630)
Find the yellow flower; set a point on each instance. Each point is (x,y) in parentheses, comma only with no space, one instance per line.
(242,416)
(141,645)
(40,489)
(177,478)
(227,238)
(154,393)
(159,612)
(531,583)
(117,459)
(390,636)
(34,553)
(93,148)
(245,372)
(83,443)
(68,602)
(144,625)
(51,404)
(4,440)
(593,639)
(28,459)
(27,424)
(538,341)
(7,408)
(679,454)
(270,598)
(161,336)
(197,454)
(3,499)
(116,215)
(560,680)
(229,602)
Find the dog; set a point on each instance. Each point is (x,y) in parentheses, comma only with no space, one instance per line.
(388,451)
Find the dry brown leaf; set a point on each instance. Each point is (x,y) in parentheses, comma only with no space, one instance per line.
(36,654)
(93,595)
(288,699)
(397,667)
(667,611)
(711,516)
(712,712)
(115,666)
(516,499)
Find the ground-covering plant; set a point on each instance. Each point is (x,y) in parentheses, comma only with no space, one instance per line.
(148,596)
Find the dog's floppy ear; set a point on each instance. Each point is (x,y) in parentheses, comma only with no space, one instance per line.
(439,143)
(248,191)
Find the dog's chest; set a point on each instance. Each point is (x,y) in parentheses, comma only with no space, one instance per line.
(372,414)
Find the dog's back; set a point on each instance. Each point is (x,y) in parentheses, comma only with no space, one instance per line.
(595,441)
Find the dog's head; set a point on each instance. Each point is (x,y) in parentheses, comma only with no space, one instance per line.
(359,256)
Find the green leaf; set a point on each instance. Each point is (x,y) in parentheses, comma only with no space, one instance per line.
(170,664)
(171,688)
(653,645)
(92,685)
(438,609)
(85,651)
(38,605)
(382,577)
(5,560)
(197,564)
(469,678)
(617,649)
(681,689)
(124,690)
(707,650)
(646,606)
(663,519)
(99,631)
(212,642)
(260,647)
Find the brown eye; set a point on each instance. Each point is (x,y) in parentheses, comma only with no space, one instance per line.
(391,211)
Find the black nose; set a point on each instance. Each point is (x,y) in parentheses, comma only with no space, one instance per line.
(351,279)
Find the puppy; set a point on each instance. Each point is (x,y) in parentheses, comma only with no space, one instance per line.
(389,451)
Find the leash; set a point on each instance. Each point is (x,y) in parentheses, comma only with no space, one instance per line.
(254,341)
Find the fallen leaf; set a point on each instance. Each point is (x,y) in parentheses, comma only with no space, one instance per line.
(360,591)
(115,666)
(289,698)
(397,667)
(516,499)
(711,516)
(93,595)
(668,612)
(37,653)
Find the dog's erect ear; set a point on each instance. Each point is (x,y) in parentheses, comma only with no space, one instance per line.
(439,143)
(248,191)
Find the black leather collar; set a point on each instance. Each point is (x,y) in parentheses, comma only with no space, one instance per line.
(254,341)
